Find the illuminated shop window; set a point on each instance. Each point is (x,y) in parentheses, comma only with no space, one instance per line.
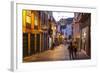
(28,19)
(36,22)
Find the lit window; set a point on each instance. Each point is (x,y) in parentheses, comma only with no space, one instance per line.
(28,19)
(36,21)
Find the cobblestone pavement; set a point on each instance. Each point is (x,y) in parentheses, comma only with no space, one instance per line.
(58,53)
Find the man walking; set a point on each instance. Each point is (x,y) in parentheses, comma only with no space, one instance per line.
(70,48)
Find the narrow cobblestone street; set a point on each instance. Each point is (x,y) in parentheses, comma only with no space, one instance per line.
(45,34)
(58,53)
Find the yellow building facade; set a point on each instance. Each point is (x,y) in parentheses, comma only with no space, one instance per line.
(33,35)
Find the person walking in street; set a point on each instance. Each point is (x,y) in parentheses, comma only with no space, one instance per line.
(70,48)
(75,47)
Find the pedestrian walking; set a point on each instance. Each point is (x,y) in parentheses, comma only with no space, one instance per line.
(75,48)
(53,45)
(70,48)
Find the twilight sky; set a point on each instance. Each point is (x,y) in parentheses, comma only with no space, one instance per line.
(58,15)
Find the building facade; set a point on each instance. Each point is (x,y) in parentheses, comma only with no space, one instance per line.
(76,30)
(81,30)
(35,31)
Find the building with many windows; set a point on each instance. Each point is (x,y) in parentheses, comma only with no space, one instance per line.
(35,31)
(81,31)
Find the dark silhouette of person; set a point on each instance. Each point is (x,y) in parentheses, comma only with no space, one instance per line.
(70,48)
(75,50)
(53,45)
